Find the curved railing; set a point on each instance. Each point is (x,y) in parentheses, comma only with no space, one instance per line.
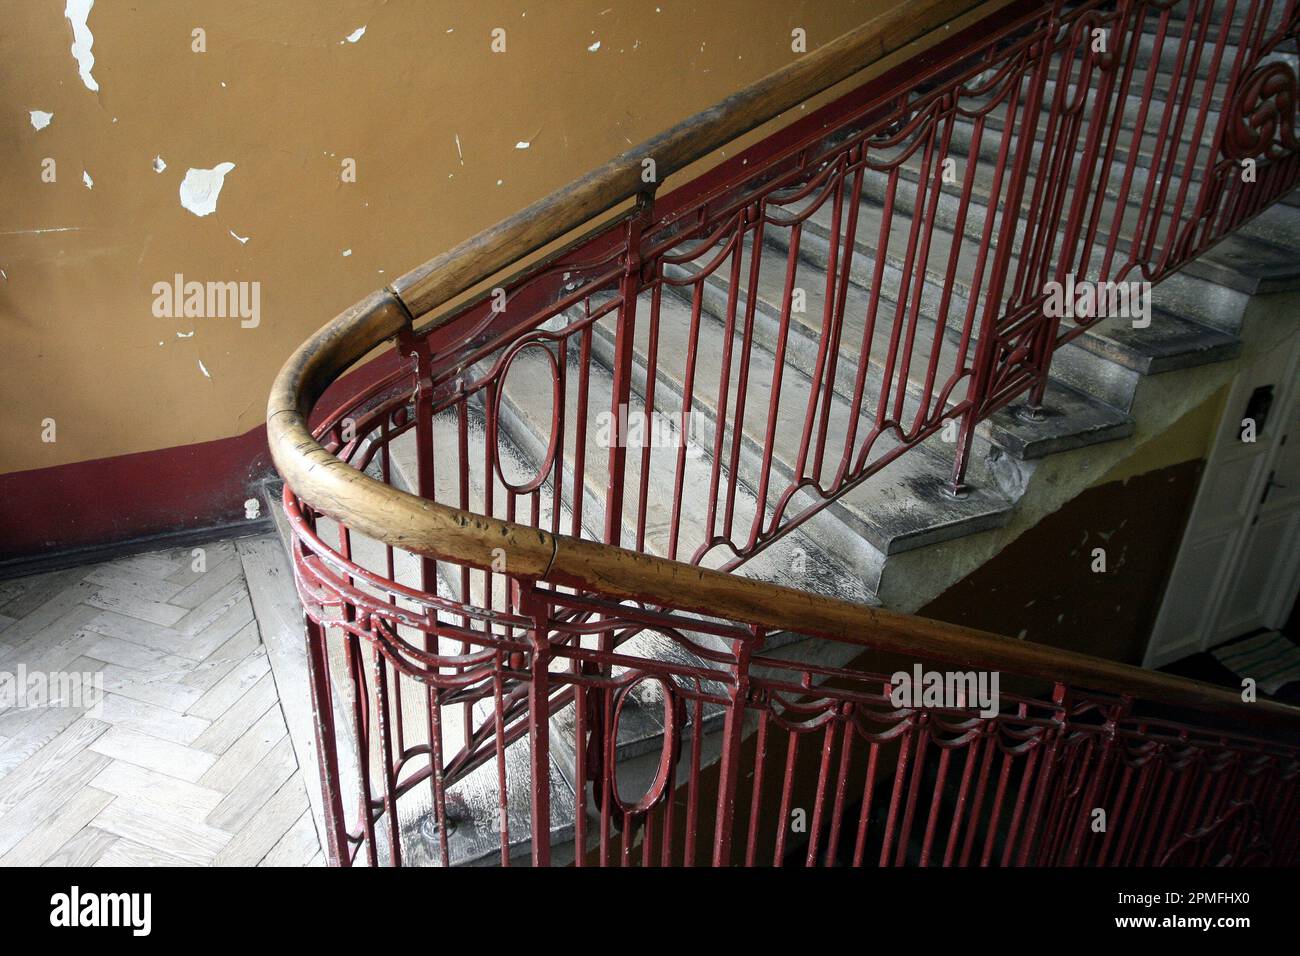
(491,600)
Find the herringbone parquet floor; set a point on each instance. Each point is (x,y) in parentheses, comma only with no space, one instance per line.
(185,758)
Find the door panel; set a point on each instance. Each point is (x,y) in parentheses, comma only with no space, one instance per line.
(1239,560)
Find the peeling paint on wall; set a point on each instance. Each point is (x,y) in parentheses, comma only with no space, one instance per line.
(289,110)
(85,178)
(201,187)
(40,118)
(354,36)
(78,12)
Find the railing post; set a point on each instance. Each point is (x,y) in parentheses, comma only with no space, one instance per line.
(1047,773)
(625,340)
(732,734)
(986,350)
(530,601)
(416,351)
(327,757)
(1097,780)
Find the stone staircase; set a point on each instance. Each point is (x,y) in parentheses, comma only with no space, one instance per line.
(850,548)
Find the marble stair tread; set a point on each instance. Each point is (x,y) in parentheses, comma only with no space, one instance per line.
(1168,343)
(904,505)
(1078,419)
(530,376)
(1166,303)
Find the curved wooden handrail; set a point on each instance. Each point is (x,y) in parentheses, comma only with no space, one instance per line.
(427,528)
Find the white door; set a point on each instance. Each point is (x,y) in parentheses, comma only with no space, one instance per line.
(1238,567)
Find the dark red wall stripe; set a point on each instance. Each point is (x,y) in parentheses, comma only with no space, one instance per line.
(109,500)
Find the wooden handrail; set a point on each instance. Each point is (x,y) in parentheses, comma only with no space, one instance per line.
(427,528)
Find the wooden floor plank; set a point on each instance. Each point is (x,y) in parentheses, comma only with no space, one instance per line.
(153,663)
(215,581)
(226,730)
(32,773)
(257,838)
(39,805)
(47,724)
(248,796)
(222,696)
(125,628)
(237,762)
(298,846)
(215,553)
(37,589)
(225,658)
(122,852)
(84,849)
(132,584)
(169,794)
(151,719)
(138,685)
(112,598)
(162,832)
(181,754)
(57,829)
(153,753)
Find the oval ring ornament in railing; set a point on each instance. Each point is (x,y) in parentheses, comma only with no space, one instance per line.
(448,659)
(673,722)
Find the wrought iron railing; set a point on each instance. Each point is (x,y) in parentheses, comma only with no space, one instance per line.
(494,574)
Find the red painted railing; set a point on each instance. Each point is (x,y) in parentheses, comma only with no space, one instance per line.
(791,322)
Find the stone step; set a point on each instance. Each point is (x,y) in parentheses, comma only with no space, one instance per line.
(1169,299)
(902,506)
(937,356)
(529,421)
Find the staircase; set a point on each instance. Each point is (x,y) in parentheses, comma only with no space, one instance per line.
(822,367)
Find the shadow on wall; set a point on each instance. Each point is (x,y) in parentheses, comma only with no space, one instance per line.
(1088,577)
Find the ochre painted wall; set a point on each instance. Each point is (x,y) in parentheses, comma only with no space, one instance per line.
(281,95)
(1188,439)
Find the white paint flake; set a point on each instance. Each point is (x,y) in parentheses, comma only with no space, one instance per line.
(204,369)
(78,12)
(354,36)
(522,144)
(40,118)
(459,155)
(346,253)
(594,47)
(158,164)
(85,178)
(201,187)
(242,239)
(186,335)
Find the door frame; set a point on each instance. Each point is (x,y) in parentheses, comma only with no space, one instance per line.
(1288,395)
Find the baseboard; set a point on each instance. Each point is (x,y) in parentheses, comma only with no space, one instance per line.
(161,541)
